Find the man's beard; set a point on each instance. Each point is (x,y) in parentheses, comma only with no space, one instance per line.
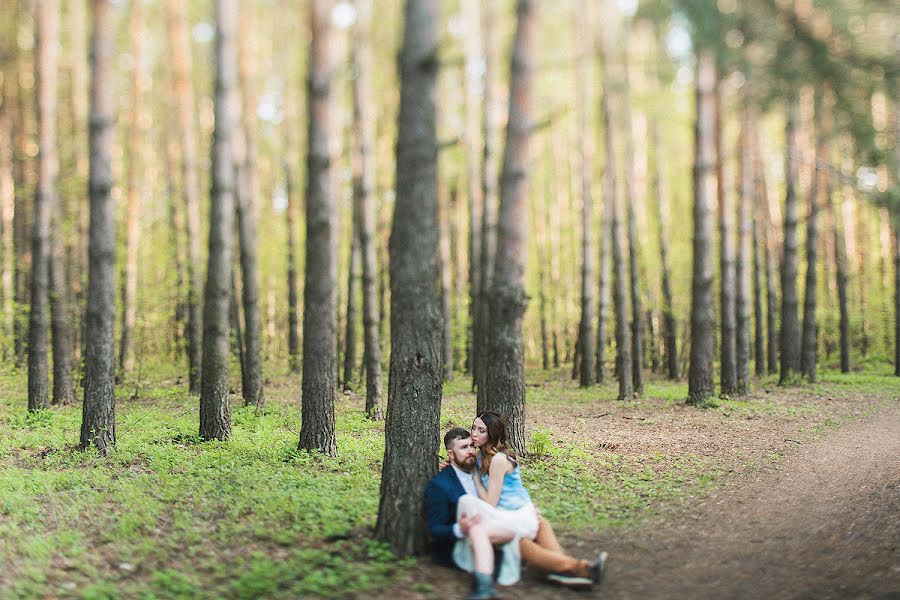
(466,465)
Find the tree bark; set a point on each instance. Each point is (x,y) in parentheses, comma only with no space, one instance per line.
(444,268)
(291,216)
(352,301)
(587,374)
(619,291)
(137,133)
(98,424)
(364,203)
(215,413)
(728,370)
(819,185)
(176,229)
(840,262)
(742,266)
(474,52)
(770,260)
(539,244)
(669,324)
(45,202)
(606,241)
(700,373)
(489,199)
(506,356)
(862,238)
(637,310)
(179,46)
(7,191)
(757,224)
(790,323)
(414,393)
(244,156)
(319,383)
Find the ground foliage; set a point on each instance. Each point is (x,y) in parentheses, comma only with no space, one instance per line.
(168,516)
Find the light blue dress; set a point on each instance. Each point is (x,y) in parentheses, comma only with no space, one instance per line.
(514,511)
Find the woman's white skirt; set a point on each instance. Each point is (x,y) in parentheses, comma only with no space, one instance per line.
(523,522)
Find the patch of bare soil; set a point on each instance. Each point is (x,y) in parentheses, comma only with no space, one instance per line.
(804,510)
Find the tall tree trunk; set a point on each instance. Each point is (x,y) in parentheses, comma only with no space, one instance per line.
(215,413)
(770,260)
(291,215)
(45,202)
(661,190)
(352,301)
(137,133)
(759,340)
(320,288)
(445,282)
(414,394)
(790,323)
(539,244)
(506,347)
(179,46)
(724,192)
(587,376)
(862,238)
(98,423)
(840,263)
(364,203)
(637,311)
(7,186)
(619,291)
(819,185)
(474,52)
(176,230)
(236,332)
(606,241)
(700,374)
(742,266)
(896,294)
(489,200)
(79,89)
(248,223)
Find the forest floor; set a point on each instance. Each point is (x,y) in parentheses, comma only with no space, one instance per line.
(805,508)
(787,493)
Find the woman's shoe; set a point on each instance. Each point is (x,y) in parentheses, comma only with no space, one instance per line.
(597,569)
(483,587)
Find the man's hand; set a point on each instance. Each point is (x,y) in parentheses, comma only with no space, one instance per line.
(465,522)
(443,465)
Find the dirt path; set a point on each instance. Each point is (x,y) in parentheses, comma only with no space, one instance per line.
(823,522)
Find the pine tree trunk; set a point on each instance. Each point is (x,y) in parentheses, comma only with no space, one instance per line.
(246,212)
(606,233)
(364,203)
(742,266)
(414,394)
(770,260)
(700,374)
(539,243)
(63,384)
(896,295)
(790,323)
(471,10)
(445,281)
(235,330)
(619,290)
(728,375)
(352,301)
(319,380)
(7,184)
(862,239)
(98,424)
(661,190)
(840,263)
(215,413)
(179,46)
(757,224)
(45,202)
(587,376)
(637,311)
(489,202)
(505,368)
(135,181)
(819,185)
(293,323)
(176,229)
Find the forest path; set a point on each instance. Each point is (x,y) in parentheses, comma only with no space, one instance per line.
(821,522)
(824,522)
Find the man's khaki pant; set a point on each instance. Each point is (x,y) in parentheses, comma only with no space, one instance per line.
(545,553)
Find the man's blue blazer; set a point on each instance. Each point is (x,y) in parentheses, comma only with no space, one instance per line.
(441,497)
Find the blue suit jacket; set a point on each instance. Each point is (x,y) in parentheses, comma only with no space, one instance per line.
(441,497)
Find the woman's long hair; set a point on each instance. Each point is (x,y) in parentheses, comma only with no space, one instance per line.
(495,423)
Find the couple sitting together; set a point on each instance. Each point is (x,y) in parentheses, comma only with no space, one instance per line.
(481,518)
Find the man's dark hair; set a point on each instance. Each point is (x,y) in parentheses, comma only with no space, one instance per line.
(457,433)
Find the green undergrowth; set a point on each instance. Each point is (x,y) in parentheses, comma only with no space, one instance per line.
(166,515)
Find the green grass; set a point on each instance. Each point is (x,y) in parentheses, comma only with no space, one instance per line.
(168,516)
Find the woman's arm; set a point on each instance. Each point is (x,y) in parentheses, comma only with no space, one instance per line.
(500,466)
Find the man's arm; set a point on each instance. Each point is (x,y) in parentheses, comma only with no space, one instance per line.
(437,513)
